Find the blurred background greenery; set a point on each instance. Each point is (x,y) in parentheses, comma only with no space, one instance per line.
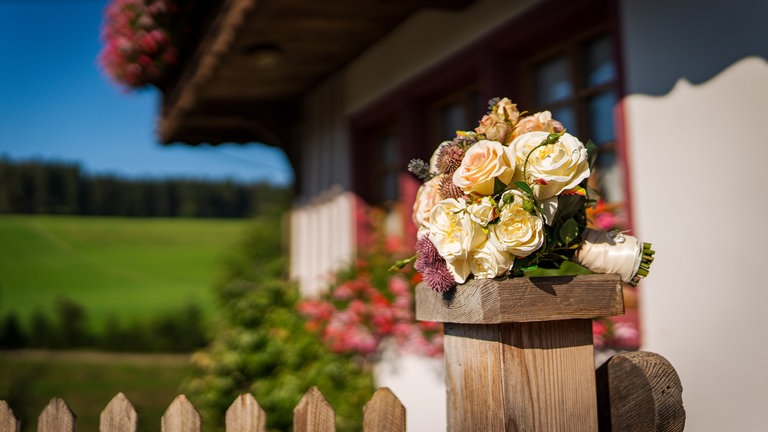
(93,304)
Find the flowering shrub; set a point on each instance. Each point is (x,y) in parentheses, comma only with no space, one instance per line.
(509,199)
(366,305)
(607,333)
(139,48)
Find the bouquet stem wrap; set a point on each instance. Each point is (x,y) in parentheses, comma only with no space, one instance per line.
(615,252)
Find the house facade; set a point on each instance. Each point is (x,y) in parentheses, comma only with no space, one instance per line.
(672,92)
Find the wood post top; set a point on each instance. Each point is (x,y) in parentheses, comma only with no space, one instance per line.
(490,301)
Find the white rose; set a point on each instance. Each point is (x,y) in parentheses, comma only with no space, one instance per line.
(483,163)
(459,268)
(482,211)
(451,229)
(552,168)
(454,234)
(489,262)
(426,198)
(517,232)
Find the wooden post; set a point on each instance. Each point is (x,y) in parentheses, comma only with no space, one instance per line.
(519,353)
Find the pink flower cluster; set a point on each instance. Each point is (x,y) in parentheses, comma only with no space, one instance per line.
(138,47)
(356,317)
(622,334)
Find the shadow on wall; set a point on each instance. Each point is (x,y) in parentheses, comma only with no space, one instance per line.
(665,41)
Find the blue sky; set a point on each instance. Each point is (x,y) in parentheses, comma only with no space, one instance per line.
(56,105)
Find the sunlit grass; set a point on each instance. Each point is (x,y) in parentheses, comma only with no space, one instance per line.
(129,268)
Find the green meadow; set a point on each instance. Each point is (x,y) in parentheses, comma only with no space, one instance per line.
(127,268)
(87,381)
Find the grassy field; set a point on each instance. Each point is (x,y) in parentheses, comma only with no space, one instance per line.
(124,267)
(87,381)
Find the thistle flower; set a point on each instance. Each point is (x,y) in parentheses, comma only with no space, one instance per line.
(438,278)
(427,255)
(448,189)
(449,159)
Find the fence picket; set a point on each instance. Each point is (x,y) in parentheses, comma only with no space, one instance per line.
(56,417)
(8,421)
(245,415)
(384,413)
(314,413)
(181,416)
(118,416)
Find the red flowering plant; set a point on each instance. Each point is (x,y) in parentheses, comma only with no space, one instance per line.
(139,48)
(367,305)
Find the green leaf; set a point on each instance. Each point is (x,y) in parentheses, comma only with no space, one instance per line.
(569,207)
(592,151)
(523,186)
(498,186)
(567,268)
(569,232)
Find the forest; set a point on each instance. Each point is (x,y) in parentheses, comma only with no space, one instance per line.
(62,188)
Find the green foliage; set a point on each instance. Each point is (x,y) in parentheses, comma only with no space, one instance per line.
(262,345)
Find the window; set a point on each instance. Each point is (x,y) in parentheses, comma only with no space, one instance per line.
(578,84)
(458,111)
(386,167)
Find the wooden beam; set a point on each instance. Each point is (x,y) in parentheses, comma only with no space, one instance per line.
(488,301)
(639,391)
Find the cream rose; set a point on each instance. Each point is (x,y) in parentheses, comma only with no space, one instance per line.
(455,235)
(552,168)
(489,262)
(517,231)
(482,211)
(483,163)
(426,198)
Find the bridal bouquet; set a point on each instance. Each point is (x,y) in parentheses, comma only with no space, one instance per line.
(509,199)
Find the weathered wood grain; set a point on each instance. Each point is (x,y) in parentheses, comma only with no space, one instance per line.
(8,421)
(639,391)
(118,416)
(56,417)
(314,413)
(520,376)
(488,301)
(245,415)
(384,413)
(181,416)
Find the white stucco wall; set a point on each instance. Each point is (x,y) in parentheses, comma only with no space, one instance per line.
(697,80)
(698,172)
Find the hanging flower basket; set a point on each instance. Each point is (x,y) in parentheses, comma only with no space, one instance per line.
(139,45)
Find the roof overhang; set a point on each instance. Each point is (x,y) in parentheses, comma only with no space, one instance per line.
(257,58)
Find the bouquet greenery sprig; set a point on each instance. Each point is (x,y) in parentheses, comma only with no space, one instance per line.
(509,199)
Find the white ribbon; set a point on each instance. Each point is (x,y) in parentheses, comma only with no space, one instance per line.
(610,252)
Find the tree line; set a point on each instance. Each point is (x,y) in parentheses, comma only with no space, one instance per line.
(67,327)
(61,188)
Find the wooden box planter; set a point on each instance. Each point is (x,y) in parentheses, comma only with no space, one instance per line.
(519,353)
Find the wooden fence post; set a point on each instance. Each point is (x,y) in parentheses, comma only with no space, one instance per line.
(181,416)
(8,421)
(118,416)
(314,413)
(245,415)
(56,417)
(519,353)
(384,413)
